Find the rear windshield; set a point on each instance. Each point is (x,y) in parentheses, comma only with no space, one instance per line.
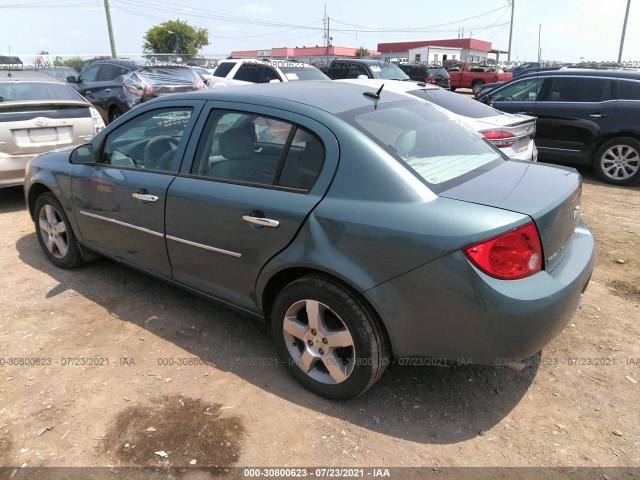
(438,150)
(387,71)
(306,72)
(168,76)
(24,91)
(456,103)
(223,69)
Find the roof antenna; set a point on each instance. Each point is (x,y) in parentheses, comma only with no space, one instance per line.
(375,96)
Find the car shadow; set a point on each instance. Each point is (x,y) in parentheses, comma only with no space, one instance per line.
(12,200)
(422,404)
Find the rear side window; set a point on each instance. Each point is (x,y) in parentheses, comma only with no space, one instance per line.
(258,150)
(223,69)
(578,89)
(109,71)
(628,90)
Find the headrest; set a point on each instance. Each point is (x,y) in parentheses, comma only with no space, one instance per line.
(236,144)
(406,142)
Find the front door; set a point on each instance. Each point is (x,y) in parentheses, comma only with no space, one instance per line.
(254,179)
(119,201)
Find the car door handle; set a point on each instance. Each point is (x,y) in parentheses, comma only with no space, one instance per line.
(522,112)
(87,92)
(107,90)
(598,115)
(262,221)
(145,197)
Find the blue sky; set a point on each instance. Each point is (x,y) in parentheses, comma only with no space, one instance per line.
(571,29)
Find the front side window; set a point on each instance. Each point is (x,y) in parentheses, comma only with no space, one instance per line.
(255,149)
(109,71)
(90,74)
(523,91)
(149,141)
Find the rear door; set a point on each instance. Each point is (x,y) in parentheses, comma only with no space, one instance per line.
(119,201)
(573,115)
(256,175)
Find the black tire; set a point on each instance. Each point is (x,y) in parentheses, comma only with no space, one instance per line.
(59,244)
(114,113)
(342,318)
(453,89)
(617,161)
(476,86)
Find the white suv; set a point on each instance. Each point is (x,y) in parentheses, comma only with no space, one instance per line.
(242,71)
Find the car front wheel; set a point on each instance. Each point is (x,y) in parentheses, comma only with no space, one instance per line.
(329,340)
(618,161)
(55,234)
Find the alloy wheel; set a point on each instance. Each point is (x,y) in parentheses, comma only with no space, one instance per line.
(53,231)
(319,342)
(620,162)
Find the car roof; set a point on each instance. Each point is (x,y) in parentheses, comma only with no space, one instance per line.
(392,85)
(331,96)
(366,61)
(27,76)
(587,72)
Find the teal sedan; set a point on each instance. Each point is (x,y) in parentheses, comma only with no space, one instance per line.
(362,225)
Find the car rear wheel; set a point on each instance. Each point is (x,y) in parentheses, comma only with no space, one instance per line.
(618,161)
(114,113)
(477,86)
(55,234)
(329,340)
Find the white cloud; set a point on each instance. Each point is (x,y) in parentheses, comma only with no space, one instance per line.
(256,9)
(44,41)
(76,33)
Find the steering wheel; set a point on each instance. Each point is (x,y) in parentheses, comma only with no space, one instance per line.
(158,153)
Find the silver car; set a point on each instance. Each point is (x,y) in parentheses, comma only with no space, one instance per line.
(39,113)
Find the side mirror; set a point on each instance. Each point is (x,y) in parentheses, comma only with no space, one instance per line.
(275,80)
(362,77)
(83,155)
(72,79)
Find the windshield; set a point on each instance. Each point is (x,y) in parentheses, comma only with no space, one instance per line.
(456,103)
(387,71)
(168,75)
(434,147)
(25,91)
(303,72)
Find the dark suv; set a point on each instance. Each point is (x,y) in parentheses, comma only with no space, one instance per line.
(422,73)
(583,116)
(115,85)
(344,68)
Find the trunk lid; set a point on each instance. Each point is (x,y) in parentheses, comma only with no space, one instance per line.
(522,127)
(32,127)
(549,194)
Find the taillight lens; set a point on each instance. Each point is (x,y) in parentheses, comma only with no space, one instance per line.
(500,139)
(98,123)
(200,85)
(136,91)
(509,256)
(430,80)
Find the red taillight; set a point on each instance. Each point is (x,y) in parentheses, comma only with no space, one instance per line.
(509,256)
(430,80)
(200,85)
(139,91)
(500,139)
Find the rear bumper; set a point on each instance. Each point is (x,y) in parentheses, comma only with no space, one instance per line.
(450,310)
(529,154)
(13,168)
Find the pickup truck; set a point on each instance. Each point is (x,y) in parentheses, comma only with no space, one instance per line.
(474,75)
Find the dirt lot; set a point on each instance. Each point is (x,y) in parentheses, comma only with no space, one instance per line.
(229,404)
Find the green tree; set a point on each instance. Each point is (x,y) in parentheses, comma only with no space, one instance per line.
(177,37)
(73,62)
(362,52)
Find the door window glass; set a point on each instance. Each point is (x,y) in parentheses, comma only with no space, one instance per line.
(90,74)
(249,148)
(223,69)
(149,141)
(109,71)
(576,89)
(523,91)
(356,69)
(248,72)
(629,90)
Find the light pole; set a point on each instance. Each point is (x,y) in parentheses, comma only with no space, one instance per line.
(510,31)
(176,48)
(624,31)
